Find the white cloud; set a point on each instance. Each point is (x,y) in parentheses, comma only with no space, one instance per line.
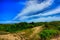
(45,19)
(51,12)
(41,19)
(34,7)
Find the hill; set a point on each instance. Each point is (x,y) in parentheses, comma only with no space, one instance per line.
(30,31)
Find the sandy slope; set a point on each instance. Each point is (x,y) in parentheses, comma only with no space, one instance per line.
(18,36)
(24,35)
(56,38)
(9,37)
(36,30)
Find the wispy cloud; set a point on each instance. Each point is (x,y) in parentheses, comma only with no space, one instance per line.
(51,12)
(45,19)
(34,7)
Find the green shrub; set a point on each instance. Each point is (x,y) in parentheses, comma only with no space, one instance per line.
(47,34)
(25,25)
(58,28)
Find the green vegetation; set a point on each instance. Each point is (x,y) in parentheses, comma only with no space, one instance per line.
(18,27)
(51,29)
(47,34)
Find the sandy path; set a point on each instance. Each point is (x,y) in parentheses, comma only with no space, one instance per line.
(18,36)
(9,37)
(57,38)
(36,30)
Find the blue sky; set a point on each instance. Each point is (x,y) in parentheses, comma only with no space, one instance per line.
(15,11)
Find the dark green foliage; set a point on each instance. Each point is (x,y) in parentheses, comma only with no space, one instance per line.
(52,25)
(24,25)
(51,29)
(47,34)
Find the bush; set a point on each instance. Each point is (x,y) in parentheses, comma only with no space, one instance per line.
(47,34)
(25,25)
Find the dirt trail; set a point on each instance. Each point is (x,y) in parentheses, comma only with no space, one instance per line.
(57,38)
(18,36)
(9,37)
(36,31)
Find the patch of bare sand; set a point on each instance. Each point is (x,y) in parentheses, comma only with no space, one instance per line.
(19,36)
(57,38)
(36,30)
(34,35)
(9,37)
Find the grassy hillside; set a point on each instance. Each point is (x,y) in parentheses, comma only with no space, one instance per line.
(32,31)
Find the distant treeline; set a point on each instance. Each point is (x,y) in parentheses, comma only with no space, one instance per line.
(24,25)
